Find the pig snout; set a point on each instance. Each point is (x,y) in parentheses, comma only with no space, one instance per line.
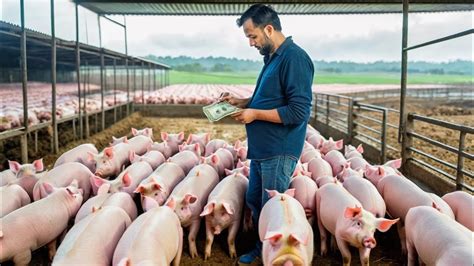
(288,260)
(369,242)
(217,230)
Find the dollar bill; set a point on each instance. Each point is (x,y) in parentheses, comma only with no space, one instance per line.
(218,110)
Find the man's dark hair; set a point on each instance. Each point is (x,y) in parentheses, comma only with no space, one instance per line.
(261,15)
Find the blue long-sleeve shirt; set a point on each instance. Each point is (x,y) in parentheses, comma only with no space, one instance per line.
(283,84)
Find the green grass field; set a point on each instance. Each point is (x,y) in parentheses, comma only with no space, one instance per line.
(177,77)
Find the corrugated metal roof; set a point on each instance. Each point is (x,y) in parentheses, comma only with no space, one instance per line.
(234,8)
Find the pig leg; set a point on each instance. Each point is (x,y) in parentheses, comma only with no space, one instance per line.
(247,225)
(333,244)
(22,258)
(209,240)
(412,255)
(52,249)
(193,230)
(322,230)
(177,258)
(364,254)
(231,239)
(345,252)
(401,234)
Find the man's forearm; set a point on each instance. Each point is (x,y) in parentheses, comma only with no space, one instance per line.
(268,115)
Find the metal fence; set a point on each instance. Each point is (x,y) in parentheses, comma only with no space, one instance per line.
(370,125)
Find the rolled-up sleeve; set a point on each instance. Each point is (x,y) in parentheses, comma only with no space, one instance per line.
(297,78)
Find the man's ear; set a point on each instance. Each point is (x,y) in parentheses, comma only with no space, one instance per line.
(268,30)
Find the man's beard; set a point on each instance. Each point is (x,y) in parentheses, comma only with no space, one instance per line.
(267,47)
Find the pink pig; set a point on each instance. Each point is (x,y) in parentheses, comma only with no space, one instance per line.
(358,163)
(342,215)
(436,239)
(244,170)
(140,144)
(162,147)
(188,199)
(213,145)
(319,168)
(185,159)
(349,172)
(309,155)
(173,141)
(79,154)
(462,205)
(224,210)
(37,224)
(400,195)
(337,161)
(153,158)
(116,141)
(367,194)
(12,197)
(147,132)
(330,145)
(103,198)
(201,139)
(195,148)
(222,159)
(351,151)
(158,186)
(377,172)
(111,160)
(305,193)
(27,174)
(62,176)
(139,245)
(316,140)
(286,234)
(92,240)
(127,181)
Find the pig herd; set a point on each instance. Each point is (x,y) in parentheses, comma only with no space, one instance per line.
(179,181)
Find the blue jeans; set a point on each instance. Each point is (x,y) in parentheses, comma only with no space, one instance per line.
(272,174)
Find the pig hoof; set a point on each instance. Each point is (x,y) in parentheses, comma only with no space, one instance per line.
(233,255)
(207,256)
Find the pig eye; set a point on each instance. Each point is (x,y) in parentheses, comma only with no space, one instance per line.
(359,224)
(156,194)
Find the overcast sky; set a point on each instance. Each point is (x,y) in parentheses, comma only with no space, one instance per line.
(360,38)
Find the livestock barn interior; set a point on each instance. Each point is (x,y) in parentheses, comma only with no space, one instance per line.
(99,95)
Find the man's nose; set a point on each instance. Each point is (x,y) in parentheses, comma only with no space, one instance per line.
(251,43)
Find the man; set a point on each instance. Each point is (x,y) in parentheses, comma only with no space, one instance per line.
(277,113)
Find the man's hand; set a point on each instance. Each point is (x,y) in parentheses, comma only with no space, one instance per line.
(227,97)
(245,116)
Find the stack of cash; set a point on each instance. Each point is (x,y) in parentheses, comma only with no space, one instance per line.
(219,110)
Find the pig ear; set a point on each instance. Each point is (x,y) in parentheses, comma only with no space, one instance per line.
(114,139)
(181,147)
(132,156)
(339,144)
(14,166)
(239,164)
(214,159)
(134,131)
(360,149)
(228,208)
(140,189)
(171,203)
(149,203)
(157,186)
(294,240)
(126,180)
(98,181)
(208,209)
(125,139)
(48,188)
(242,152)
(197,148)
(290,192)
(271,193)
(164,136)
(90,156)
(352,212)
(208,137)
(227,172)
(246,171)
(103,189)
(181,135)
(190,138)
(384,224)
(381,171)
(237,144)
(394,163)
(149,131)
(38,164)
(189,198)
(109,152)
(273,237)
